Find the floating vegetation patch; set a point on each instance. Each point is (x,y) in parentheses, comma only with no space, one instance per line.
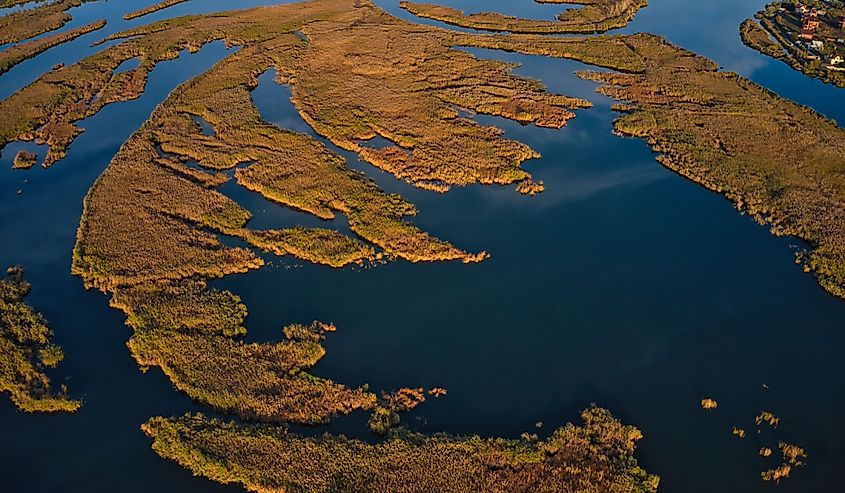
(26,351)
(767,418)
(596,456)
(709,403)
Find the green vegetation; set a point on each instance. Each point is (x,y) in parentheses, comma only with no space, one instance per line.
(594,457)
(25,352)
(151,226)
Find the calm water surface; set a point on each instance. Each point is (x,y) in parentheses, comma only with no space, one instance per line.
(623,285)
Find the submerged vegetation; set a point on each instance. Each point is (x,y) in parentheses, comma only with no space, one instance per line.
(594,457)
(26,351)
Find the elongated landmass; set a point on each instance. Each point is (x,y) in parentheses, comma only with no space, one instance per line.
(152,8)
(16,54)
(594,457)
(596,16)
(25,24)
(25,351)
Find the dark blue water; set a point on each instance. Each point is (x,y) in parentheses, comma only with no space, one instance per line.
(622,284)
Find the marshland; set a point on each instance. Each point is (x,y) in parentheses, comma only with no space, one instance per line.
(465,209)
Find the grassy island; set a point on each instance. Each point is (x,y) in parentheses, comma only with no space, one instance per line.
(17,53)
(25,24)
(808,36)
(152,8)
(25,351)
(595,16)
(594,457)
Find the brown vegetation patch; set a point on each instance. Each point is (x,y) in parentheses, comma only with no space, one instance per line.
(38,20)
(267,382)
(16,54)
(594,457)
(595,16)
(24,160)
(152,8)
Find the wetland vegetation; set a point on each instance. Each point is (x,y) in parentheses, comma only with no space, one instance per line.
(43,18)
(594,17)
(596,456)
(152,8)
(15,54)
(26,351)
(157,228)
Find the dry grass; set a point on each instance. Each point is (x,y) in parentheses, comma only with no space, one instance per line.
(14,55)
(380,76)
(595,16)
(35,21)
(152,8)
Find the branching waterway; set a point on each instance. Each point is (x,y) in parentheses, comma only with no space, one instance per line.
(622,284)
